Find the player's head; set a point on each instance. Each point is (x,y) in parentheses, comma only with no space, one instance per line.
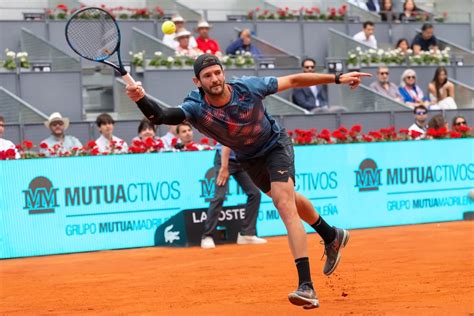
(209,75)
(146,129)
(184,131)
(2,125)
(105,124)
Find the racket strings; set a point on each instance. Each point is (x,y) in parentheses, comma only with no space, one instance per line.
(93,34)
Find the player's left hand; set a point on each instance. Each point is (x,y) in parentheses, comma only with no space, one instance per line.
(223,176)
(353,79)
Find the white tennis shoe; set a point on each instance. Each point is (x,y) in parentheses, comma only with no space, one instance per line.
(208,243)
(248,240)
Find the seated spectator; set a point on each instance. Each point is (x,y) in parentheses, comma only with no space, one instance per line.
(383,85)
(373,5)
(441,91)
(366,36)
(204,42)
(411,93)
(168,39)
(243,44)
(386,13)
(418,129)
(107,143)
(458,121)
(403,45)
(185,134)
(167,139)
(182,37)
(425,41)
(146,129)
(58,142)
(314,97)
(410,11)
(4,143)
(438,121)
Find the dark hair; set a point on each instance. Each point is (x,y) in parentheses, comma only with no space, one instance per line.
(402,40)
(415,8)
(308,59)
(420,107)
(367,23)
(436,82)
(426,26)
(437,121)
(144,124)
(385,8)
(456,117)
(103,119)
(182,124)
(2,119)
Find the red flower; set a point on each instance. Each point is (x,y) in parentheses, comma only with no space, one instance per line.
(149,142)
(19,147)
(95,151)
(415,134)
(43,146)
(356,128)
(404,131)
(62,7)
(205,141)
(454,134)
(28,144)
(375,135)
(137,143)
(91,144)
(10,153)
(191,147)
(343,129)
(463,128)
(174,141)
(3,155)
(367,138)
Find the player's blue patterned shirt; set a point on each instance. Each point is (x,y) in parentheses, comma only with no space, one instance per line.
(243,124)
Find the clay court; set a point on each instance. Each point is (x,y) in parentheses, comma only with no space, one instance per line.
(423,269)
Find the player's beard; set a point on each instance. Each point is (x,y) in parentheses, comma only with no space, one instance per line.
(216,90)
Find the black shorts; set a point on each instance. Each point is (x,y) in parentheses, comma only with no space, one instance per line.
(277,165)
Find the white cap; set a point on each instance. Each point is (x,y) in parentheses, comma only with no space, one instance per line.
(203,24)
(56,116)
(177,18)
(182,33)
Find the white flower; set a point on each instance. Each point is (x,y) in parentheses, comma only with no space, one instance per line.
(170,59)
(247,54)
(380,52)
(358,48)
(410,51)
(372,51)
(225,59)
(130,53)
(352,56)
(11,54)
(158,54)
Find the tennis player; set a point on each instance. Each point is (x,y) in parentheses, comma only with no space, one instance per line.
(233,114)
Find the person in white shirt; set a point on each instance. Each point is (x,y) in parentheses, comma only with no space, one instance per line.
(167,139)
(420,126)
(107,143)
(366,36)
(183,38)
(4,143)
(169,39)
(58,143)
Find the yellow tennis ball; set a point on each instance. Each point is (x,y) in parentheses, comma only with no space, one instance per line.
(168,27)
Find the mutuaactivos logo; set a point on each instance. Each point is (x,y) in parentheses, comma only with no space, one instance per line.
(368,176)
(40,197)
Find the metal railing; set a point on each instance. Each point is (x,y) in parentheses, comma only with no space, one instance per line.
(125,108)
(174,7)
(365,99)
(150,44)
(40,50)
(273,55)
(340,44)
(16,110)
(277,105)
(464,94)
(362,14)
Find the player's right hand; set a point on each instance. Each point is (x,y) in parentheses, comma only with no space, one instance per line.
(135,92)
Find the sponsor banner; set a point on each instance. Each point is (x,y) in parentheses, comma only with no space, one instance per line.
(78,204)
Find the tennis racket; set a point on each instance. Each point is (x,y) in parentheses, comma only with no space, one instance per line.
(94,34)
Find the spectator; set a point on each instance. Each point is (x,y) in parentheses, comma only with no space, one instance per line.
(312,98)
(418,129)
(366,36)
(4,143)
(146,129)
(107,143)
(410,11)
(204,42)
(167,139)
(225,164)
(425,41)
(182,37)
(169,39)
(58,142)
(387,13)
(438,122)
(384,86)
(185,134)
(403,45)
(441,90)
(458,121)
(411,93)
(373,5)
(243,44)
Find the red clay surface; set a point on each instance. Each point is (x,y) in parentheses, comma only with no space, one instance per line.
(418,270)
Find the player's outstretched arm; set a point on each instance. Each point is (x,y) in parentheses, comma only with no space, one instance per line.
(151,110)
(302,80)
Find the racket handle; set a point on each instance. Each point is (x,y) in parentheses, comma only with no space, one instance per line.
(128,79)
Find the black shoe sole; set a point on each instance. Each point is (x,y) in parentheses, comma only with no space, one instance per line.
(307,303)
(343,245)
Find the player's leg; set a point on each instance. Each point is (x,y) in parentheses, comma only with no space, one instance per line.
(248,232)
(334,238)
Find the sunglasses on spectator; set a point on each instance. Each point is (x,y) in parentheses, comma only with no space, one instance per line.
(420,112)
(309,67)
(60,123)
(411,77)
(460,123)
(384,73)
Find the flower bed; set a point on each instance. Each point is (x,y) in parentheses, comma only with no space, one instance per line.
(310,14)
(62,12)
(13,60)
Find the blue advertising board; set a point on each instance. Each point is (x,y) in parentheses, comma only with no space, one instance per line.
(64,205)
